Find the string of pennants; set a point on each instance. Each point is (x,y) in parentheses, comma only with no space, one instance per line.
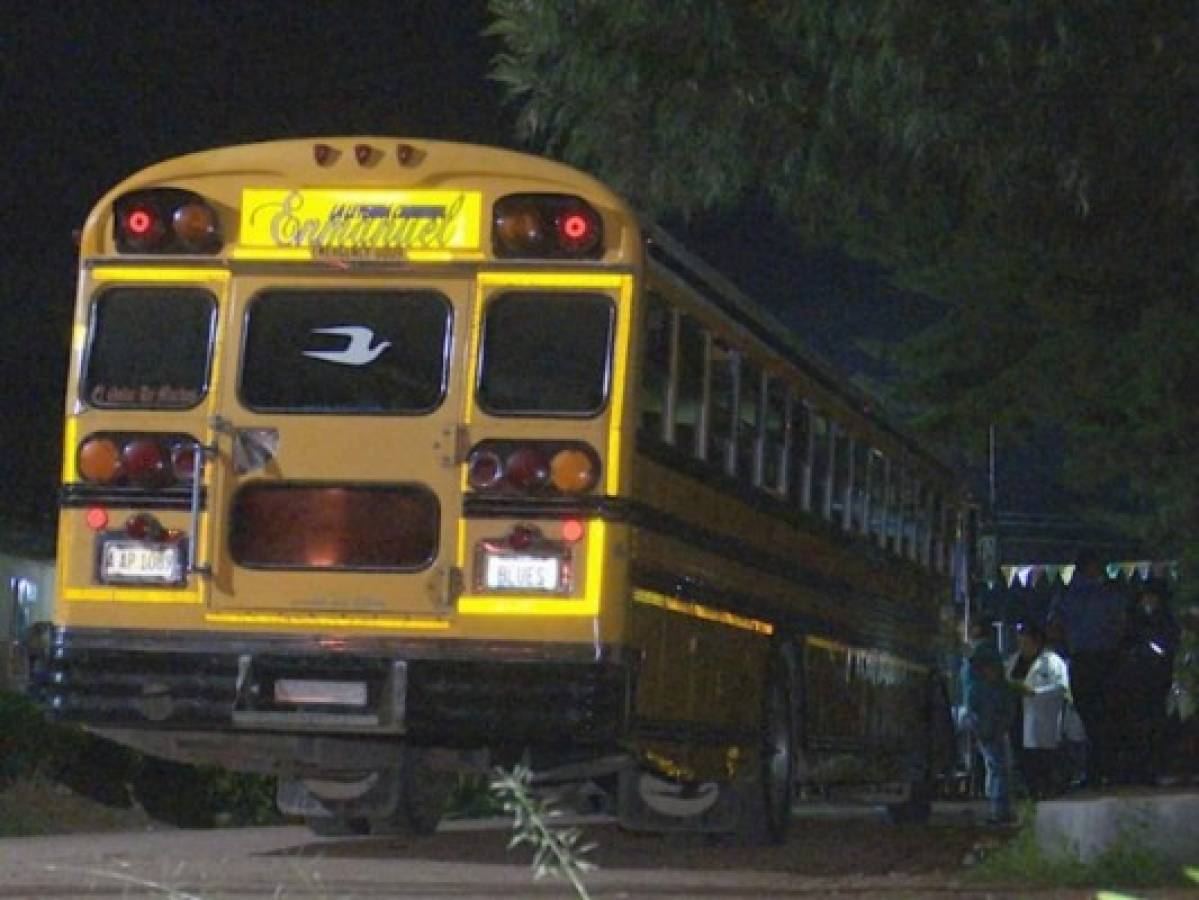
(1031,575)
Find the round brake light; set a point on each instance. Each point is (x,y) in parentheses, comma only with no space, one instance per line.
(527,468)
(142,227)
(484,470)
(183,461)
(145,463)
(99,460)
(578,230)
(195,225)
(520,231)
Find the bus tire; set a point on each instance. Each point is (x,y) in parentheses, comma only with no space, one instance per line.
(423,796)
(768,792)
(927,759)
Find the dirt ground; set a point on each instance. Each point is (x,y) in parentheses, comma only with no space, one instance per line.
(832,853)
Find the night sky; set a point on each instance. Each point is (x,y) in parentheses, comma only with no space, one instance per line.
(95,91)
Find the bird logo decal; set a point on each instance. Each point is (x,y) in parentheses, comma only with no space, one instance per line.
(358,352)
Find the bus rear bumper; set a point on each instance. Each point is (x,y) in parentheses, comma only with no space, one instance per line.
(429,692)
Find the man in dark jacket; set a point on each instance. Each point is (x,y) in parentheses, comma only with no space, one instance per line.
(1145,678)
(990,711)
(1091,616)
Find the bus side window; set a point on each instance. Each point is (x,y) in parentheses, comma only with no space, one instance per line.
(818,494)
(655,372)
(799,468)
(879,475)
(911,517)
(861,487)
(924,550)
(721,405)
(895,509)
(689,386)
(841,448)
(774,437)
(937,533)
(749,403)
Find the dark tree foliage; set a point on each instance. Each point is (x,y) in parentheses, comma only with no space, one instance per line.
(1033,165)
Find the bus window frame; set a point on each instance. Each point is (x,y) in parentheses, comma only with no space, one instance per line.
(609,360)
(86,359)
(447,350)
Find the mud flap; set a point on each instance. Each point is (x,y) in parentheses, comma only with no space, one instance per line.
(375,795)
(647,802)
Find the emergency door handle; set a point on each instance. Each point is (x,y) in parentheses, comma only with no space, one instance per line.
(194,566)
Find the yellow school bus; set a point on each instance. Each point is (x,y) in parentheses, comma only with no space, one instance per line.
(387,459)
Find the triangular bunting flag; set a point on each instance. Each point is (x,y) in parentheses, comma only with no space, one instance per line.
(1009,573)
(1067,574)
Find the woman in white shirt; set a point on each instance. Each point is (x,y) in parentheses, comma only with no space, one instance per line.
(1042,679)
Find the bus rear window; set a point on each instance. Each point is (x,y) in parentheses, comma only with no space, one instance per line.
(346,351)
(150,348)
(546,353)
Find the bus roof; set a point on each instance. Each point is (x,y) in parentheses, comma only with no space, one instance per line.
(221,172)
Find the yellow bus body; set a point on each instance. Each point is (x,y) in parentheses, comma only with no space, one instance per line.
(684,583)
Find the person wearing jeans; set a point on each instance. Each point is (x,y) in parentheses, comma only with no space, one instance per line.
(990,712)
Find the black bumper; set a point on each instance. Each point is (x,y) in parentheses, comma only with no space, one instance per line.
(436,692)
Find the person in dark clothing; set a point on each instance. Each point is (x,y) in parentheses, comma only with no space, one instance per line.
(1146,675)
(1091,616)
(990,710)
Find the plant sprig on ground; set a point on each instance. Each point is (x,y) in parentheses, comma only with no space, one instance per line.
(557,851)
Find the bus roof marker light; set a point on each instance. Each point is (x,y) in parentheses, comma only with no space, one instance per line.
(406,155)
(364,153)
(323,154)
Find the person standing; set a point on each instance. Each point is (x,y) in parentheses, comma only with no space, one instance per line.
(1041,678)
(1091,617)
(990,710)
(1146,676)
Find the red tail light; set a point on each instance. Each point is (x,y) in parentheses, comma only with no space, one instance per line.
(527,468)
(144,462)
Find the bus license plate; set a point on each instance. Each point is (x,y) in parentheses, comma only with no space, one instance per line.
(131,561)
(522,573)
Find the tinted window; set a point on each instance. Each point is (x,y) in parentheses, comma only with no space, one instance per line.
(338,526)
(346,351)
(721,403)
(748,405)
(655,368)
(689,390)
(150,347)
(546,353)
(774,436)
